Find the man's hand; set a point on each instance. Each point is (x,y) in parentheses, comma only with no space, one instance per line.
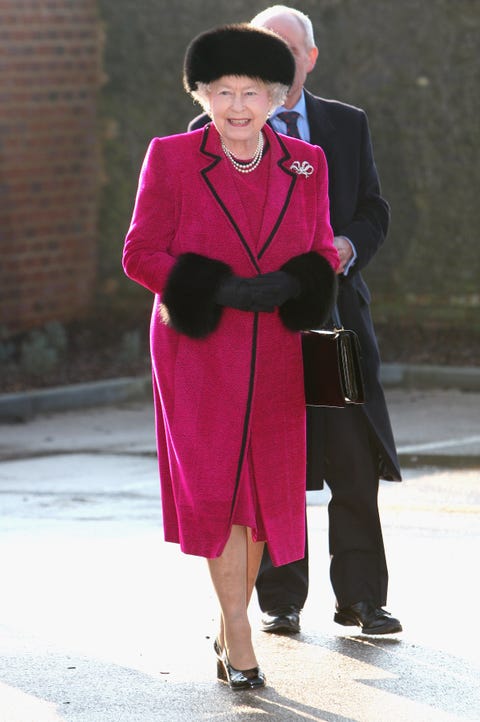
(345,252)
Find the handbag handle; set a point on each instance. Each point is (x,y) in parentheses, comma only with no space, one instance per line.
(337,323)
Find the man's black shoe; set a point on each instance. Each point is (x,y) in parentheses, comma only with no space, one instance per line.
(282,621)
(372,619)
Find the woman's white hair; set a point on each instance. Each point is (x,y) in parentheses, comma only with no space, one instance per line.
(274,11)
(277,92)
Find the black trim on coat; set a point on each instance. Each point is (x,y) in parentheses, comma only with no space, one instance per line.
(294,176)
(246,421)
(222,205)
(318,281)
(230,218)
(188,301)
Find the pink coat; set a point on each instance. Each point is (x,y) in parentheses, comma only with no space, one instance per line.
(239,386)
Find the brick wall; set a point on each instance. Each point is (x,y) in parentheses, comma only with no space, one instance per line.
(49,78)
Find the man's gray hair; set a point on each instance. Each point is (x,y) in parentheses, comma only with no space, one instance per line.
(274,11)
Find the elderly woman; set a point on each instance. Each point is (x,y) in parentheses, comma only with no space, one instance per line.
(231,233)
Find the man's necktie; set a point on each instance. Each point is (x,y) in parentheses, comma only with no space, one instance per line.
(290,117)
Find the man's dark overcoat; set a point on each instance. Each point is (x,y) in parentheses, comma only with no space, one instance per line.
(357,211)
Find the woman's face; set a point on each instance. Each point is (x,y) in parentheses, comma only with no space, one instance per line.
(239,107)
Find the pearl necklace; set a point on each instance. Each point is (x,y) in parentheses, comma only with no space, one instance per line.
(251,165)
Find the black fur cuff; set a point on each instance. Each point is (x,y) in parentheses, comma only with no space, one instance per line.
(318,281)
(188,300)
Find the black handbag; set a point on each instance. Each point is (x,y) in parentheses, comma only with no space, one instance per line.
(332,368)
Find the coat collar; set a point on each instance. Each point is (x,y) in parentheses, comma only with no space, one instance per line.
(217,174)
(321,127)
(211,148)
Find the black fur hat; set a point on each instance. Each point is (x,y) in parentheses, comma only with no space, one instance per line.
(238,49)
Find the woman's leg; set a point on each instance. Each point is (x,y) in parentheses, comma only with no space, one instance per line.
(233,575)
(254,559)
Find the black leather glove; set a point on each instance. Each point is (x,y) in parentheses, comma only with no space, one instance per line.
(273,289)
(236,292)
(261,293)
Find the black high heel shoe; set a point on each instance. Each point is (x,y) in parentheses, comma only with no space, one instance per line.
(236,678)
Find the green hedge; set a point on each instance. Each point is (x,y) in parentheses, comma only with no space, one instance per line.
(412,65)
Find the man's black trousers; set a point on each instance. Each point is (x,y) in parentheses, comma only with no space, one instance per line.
(358,568)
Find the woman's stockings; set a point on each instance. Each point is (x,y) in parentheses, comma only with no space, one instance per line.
(233,575)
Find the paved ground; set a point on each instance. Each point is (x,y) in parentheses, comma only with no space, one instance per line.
(102,621)
(427,423)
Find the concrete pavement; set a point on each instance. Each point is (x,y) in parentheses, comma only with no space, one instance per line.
(25,405)
(102,621)
(429,425)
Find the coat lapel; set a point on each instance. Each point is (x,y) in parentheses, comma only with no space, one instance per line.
(324,134)
(280,188)
(218,177)
(321,129)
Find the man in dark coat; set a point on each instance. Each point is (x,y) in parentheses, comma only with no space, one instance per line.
(350,448)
